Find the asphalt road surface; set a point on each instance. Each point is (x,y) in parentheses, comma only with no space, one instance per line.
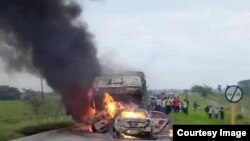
(62,135)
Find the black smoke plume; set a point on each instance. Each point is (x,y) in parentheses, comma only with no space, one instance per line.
(44,37)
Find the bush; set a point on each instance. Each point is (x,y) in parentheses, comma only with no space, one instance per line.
(32,97)
(239,117)
(203,90)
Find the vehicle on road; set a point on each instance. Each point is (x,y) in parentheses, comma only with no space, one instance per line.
(136,123)
(161,124)
(127,87)
(159,120)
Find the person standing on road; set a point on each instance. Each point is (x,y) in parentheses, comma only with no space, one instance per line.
(168,105)
(172,103)
(153,103)
(158,104)
(177,104)
(163,107)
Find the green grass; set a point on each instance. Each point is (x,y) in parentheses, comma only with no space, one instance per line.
(200,117)
(17,118)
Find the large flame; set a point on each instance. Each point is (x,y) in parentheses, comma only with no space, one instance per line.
(110,105)
(85,126)
(112,108)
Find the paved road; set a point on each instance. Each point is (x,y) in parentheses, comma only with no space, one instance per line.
(61,135)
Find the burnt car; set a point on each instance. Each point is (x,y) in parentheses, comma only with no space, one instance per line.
(132,123)
(161,124)
(159,120)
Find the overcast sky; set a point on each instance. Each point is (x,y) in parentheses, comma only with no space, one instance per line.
(177,43)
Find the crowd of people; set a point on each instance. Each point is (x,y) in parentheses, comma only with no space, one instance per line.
(175,104)
(169,103)
(214,112)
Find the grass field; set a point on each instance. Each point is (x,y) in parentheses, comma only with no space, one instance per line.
(200,117)
(17,118)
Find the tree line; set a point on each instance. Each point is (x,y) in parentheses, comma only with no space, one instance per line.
(205,90)
(12,93)
(9,93)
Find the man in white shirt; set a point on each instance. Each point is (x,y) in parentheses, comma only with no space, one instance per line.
(158,104)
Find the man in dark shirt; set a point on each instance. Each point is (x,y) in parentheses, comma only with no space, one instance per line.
(221,113)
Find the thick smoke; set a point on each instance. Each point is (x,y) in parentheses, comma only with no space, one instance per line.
(42,36)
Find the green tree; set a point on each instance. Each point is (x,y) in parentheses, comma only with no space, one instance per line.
(203,90)
(185,91)
(245,86)
(9,93)
(244,83)
(219,89)
(34,99)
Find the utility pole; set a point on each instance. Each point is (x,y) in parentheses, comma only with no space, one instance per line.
(42,88)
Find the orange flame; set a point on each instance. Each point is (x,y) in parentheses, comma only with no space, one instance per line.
(133,114)
(170,132)
(91,108)
(128,137)
(111,106)
(86,128)
(83,127)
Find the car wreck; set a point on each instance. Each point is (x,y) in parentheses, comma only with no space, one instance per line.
(133,123)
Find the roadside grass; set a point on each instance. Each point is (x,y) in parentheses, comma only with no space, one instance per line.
(17,119)
(8,132)
(200,117)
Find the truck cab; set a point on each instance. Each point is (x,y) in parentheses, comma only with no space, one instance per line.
(125,88)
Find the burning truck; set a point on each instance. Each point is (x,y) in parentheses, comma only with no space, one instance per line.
(128,87)
(112,93)
(119,107)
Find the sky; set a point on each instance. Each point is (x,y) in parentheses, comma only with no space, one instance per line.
(177,44)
